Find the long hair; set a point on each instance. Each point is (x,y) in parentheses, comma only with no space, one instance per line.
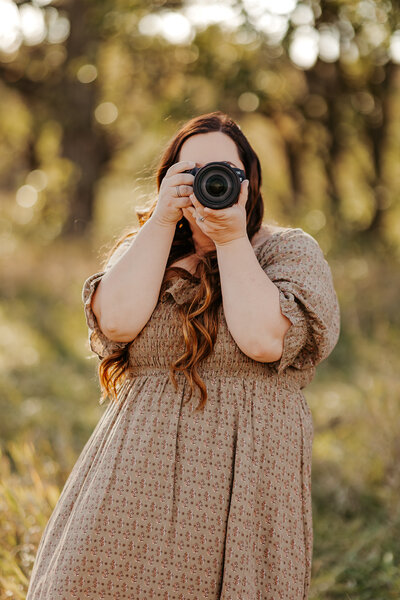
(199,316)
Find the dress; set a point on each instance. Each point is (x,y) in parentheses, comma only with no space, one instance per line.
(165,503)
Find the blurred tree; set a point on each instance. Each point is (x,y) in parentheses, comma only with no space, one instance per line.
(320,79)
(57,78)
(45,75)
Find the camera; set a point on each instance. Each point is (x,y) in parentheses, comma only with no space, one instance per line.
(217,184)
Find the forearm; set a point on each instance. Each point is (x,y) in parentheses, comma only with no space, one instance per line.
(128,293)
(250,301)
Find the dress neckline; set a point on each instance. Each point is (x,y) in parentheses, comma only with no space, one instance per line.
(188,275)
(182,283)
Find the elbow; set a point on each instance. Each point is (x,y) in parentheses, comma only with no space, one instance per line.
(116,334)
(111,329)
(273,350)
(269,353)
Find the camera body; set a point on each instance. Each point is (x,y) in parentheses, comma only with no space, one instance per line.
(217,184)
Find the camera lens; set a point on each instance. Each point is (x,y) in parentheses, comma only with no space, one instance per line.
(216,185)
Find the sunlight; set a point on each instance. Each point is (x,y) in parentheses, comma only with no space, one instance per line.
(27,24)
(329,43)
(26,196)
(302,15)
(203,14)
(37,179)
(150,24)
(32,24)
(176,28)
(172,26)
(257,8)
(268,16)
(58,26)
(395,47)
(106,113)
(315,220)
(275,26)
(10,34)
(349,52)
(303,49)
(87,73)
(248,102)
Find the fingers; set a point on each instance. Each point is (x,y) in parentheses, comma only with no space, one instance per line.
(198,206)
(179,167)
(194,201)
(225,213)
(180,185)
(196,214)
(183,203)
(216,214)
(180,179)
(180,191)
(221,215)
(192,211)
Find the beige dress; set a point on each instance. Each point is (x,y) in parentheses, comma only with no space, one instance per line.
(164,503)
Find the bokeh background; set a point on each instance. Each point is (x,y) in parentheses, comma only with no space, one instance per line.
(90,93)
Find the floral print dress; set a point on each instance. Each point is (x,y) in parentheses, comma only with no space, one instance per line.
(170,504)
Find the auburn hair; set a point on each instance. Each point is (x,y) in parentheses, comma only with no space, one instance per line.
(200,314)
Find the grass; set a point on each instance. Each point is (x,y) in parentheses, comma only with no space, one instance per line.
(48,401)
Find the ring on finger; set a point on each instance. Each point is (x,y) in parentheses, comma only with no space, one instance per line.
(177,191)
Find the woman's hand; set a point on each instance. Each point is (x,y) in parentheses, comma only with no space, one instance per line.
(222,225)
(174,193)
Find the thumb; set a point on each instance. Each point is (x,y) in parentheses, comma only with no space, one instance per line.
(244,192)
(191,209)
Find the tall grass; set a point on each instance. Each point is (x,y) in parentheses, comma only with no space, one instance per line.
(49,395)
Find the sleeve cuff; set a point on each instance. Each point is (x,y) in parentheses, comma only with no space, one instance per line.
(99,343)
(296,336)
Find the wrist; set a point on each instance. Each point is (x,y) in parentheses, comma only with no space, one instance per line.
(164,224)
(233,242)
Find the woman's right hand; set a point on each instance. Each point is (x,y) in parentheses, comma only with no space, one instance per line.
(168,210)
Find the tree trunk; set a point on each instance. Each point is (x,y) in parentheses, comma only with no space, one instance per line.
(83,143)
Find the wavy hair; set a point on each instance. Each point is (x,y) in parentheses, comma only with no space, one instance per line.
(199,315)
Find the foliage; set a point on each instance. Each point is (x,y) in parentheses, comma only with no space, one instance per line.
(91,110)
(85,110)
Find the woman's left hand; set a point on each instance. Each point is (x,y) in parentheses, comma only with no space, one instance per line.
(222,225)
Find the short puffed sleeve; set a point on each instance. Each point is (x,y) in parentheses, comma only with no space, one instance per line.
(98,341)
(296,264)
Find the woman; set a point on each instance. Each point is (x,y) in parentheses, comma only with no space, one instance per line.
(196,482)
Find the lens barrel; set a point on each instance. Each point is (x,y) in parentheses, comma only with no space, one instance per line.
(217,184)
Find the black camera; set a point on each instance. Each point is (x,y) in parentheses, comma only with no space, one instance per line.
(217,184)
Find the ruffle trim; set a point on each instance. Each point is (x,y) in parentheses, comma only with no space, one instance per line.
(296,335)
(182,287)
(98,342)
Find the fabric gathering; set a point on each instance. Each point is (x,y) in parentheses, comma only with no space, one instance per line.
(170,504)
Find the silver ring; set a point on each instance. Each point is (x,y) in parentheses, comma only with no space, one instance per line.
(177,191)
(202,218)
